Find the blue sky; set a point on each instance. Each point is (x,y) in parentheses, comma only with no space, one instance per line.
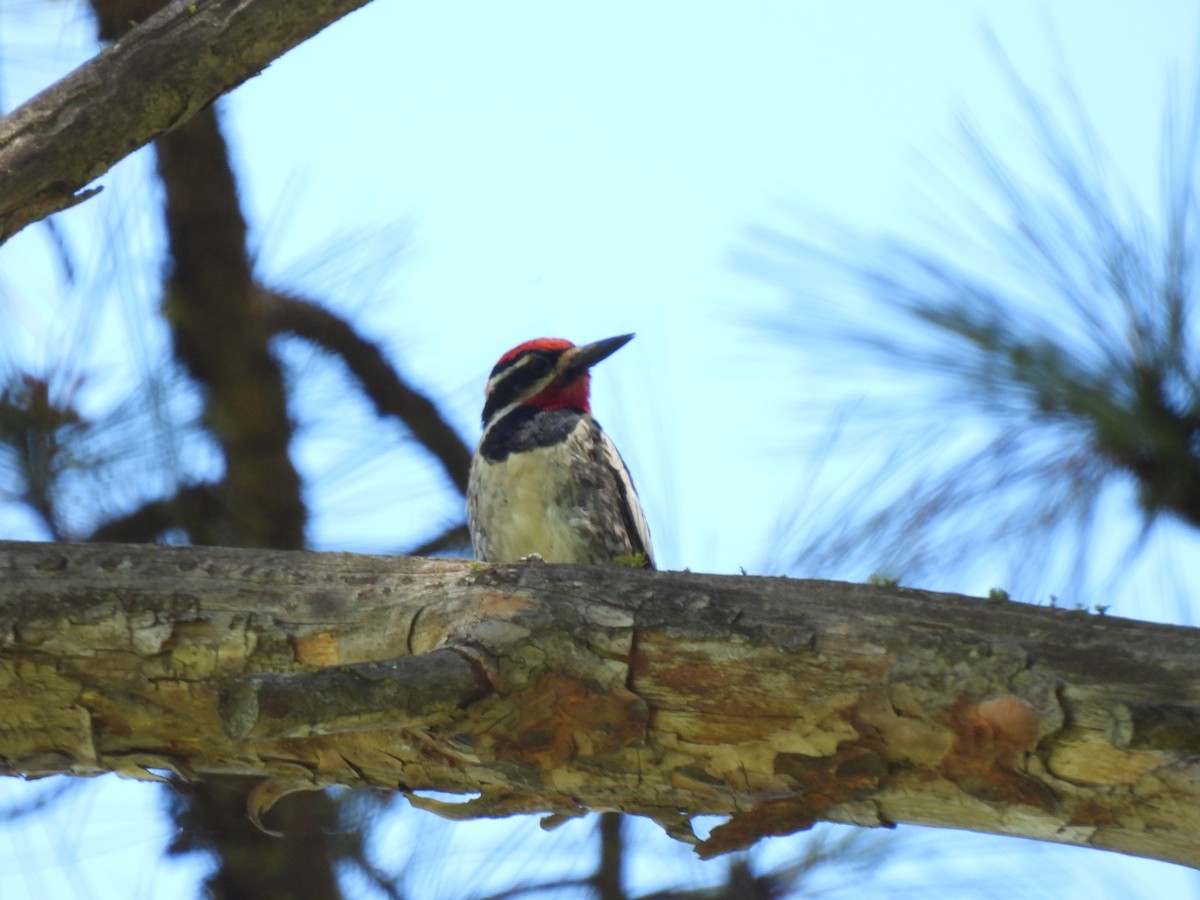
(586,171)
(540,168)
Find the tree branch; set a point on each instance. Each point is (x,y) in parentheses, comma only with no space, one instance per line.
(453,537)
(361,697)
(161,74)
(775,702)
(219,334)
(391,394)
(198,509)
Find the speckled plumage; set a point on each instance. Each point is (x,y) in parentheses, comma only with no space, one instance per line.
(563,499)
(546,478)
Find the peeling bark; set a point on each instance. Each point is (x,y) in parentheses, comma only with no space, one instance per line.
(560,689)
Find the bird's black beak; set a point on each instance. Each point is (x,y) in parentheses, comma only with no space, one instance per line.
(580,359)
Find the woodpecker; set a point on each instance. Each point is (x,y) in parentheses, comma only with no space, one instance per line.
(546,479)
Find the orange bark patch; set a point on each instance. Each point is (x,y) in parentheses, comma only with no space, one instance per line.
(851,770)
(1092,815)
(821,783)
(502,605)
(677,672)
(317,649)
(774,817)
(563,717)
(1011,720)
(989,739)
(731,680)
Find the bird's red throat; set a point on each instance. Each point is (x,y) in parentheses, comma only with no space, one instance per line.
(572,395)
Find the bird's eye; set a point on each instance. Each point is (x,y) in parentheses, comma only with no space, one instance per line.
(539,365)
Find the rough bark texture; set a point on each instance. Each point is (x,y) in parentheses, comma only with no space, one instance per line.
(161,74)
(559,689)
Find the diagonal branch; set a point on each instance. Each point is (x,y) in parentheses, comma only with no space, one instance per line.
(198,509)
(391,395)
(161,74)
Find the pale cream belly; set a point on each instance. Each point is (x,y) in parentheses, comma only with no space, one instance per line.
(525,509)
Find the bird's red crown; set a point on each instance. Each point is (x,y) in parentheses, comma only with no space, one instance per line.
(572,394)
(542,343)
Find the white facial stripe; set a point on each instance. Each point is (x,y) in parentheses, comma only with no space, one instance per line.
(532,390)
(523,361)
(496,418)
